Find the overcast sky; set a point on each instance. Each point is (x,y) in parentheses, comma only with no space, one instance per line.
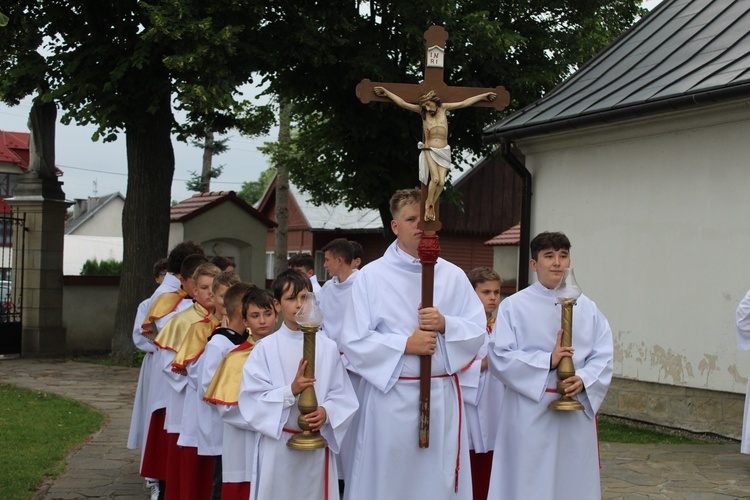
(95,168)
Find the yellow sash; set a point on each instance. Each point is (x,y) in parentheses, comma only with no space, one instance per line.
(490,324)
(174,332)
(195,343)
(225,386)
(163,305)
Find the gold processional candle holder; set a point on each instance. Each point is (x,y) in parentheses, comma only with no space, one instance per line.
(567,292)
(309,318)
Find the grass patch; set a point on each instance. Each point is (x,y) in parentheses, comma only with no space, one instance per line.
(37,431)
(616,430)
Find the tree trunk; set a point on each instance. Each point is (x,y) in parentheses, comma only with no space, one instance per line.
(282,192)
(145,217)
(208,153)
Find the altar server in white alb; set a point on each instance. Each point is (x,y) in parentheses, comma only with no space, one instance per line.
(743,344)
(386,330)
(335,297)
(542,453)
(272,378)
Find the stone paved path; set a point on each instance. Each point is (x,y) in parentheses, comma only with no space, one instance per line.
(104,468)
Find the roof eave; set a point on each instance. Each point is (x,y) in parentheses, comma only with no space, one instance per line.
(674,103)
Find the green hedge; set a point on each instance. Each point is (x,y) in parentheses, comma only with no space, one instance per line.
(109,267)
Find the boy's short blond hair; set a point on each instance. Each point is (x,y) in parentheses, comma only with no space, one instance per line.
(206,269)
(404,197)
(226,278)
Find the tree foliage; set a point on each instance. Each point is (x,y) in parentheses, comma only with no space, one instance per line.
(252,191)
(359,154)
(105,267)
(118,66)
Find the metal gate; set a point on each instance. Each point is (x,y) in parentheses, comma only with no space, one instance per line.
(12,246)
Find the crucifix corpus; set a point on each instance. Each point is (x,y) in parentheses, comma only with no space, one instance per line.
(431,99)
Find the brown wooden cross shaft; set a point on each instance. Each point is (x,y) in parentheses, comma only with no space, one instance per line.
(429,248)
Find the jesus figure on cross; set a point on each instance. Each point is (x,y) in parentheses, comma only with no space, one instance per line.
(435,155)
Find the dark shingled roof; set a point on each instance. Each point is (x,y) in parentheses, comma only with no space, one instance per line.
(684,53)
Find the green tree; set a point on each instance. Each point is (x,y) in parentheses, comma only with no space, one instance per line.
(119,65)
(360,154)
(251,191)
(201,183)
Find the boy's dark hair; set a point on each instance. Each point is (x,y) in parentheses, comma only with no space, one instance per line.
(297,280)
(190,264)
(555,240)
(304,260)
(358,251)
(226,278)
(180,252)
(482,274)
(234,296)
(340,247)
(161,267)
(221,262)
(257,297)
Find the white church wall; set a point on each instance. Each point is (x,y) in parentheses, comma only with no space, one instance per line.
(658,214)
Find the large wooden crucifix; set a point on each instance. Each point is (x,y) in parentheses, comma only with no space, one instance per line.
(431,98)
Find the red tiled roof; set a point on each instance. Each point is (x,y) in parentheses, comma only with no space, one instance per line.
(14,148)
(201,202)
(508,237)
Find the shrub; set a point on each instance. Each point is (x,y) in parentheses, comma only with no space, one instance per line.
(109,267)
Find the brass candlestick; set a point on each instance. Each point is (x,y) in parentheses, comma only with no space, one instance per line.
(309,318)
(567,292)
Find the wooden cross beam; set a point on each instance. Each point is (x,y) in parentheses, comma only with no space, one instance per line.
(408,96)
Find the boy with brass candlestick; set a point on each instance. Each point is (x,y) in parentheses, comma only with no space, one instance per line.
(542,453)
(254,312)
(273,378)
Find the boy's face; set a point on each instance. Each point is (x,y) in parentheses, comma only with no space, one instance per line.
(289,305)
(204,294)
(404,226)
(221,309)
(549,266)
(332,264)
(260,321)
(489,294)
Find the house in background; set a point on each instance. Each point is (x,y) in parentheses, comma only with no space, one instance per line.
(97,216)
(312,227)
(641,158)
(14,161)
(490,194)
(93,231)
(225,225)
(505,255)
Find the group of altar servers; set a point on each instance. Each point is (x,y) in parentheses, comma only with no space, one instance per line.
(217,397)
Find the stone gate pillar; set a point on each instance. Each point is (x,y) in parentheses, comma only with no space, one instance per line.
(43,202)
